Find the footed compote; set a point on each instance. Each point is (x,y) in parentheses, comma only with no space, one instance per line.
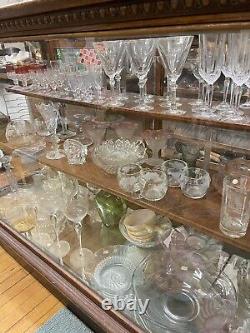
(111,54)
(156,140)
(50,116)
(141,54)
(173,52)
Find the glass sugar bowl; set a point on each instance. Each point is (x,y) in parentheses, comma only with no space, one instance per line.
(195,183)
(154,184)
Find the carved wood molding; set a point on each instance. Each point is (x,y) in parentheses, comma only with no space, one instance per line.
(106,16)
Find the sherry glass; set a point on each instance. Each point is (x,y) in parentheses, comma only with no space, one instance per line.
(111,54)
(173,52)
(156,140)
(75,212)
(211,49)
(97,77)
(141,54)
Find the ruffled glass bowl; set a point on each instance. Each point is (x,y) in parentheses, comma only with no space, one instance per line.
(183,298)
(112,154)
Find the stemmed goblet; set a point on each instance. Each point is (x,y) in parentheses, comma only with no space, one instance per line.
(111,54)
(246,105)
(141,53)
(75,212)
(240,67)
(211,48)
(173,52)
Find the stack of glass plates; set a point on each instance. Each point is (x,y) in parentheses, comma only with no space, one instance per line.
(182,299)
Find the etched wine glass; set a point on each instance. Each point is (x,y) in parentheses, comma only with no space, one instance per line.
(111,54)
(173,52)
(75,212)
(141,53)
(246,105)
(156,140)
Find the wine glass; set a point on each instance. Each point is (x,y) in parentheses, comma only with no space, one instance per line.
(211,61)
(75,212)
(61,247)
(111,54)
(240,67)
(156,140)
(141,54)
(173,52)
(97,77)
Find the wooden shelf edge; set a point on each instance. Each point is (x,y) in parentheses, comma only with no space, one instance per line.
(187,118)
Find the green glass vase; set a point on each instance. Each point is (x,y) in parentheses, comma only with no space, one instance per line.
(110,208)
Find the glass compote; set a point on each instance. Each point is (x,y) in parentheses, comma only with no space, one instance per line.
(156,140)
(173,52)
(111,54)
(141,54)
(50,116)
(76,211)
(211,48)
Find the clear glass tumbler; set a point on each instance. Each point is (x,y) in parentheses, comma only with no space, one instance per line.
(235,207)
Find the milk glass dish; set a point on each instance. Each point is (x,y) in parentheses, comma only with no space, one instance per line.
(195,183)
(129,179)
(175,169)
(75,151)
(235,207)
(154,184)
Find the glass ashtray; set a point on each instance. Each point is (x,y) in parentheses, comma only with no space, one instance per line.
(152,236)
(183,298)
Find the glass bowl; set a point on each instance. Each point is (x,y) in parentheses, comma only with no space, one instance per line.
(112,154)
(175,169)
(183,299)
(195,183)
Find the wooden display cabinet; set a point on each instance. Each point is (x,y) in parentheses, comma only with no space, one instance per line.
(77,20)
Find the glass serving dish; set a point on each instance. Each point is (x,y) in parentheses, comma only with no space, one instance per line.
(112,154)
(145,235)
(113,269)
(184,298)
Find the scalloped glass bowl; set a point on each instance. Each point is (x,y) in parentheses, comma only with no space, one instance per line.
(183,298)
(112,154)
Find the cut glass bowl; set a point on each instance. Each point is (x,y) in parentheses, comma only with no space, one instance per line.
(112,154)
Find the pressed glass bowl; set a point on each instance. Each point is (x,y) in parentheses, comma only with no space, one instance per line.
(184,298)
(112,154)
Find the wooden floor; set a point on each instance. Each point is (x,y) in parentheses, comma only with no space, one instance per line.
(24,303)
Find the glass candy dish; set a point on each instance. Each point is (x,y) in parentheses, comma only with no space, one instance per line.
(183,299)
(112,154)
(149,235)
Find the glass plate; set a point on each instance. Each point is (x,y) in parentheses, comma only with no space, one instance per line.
(163,224)
(183,299)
